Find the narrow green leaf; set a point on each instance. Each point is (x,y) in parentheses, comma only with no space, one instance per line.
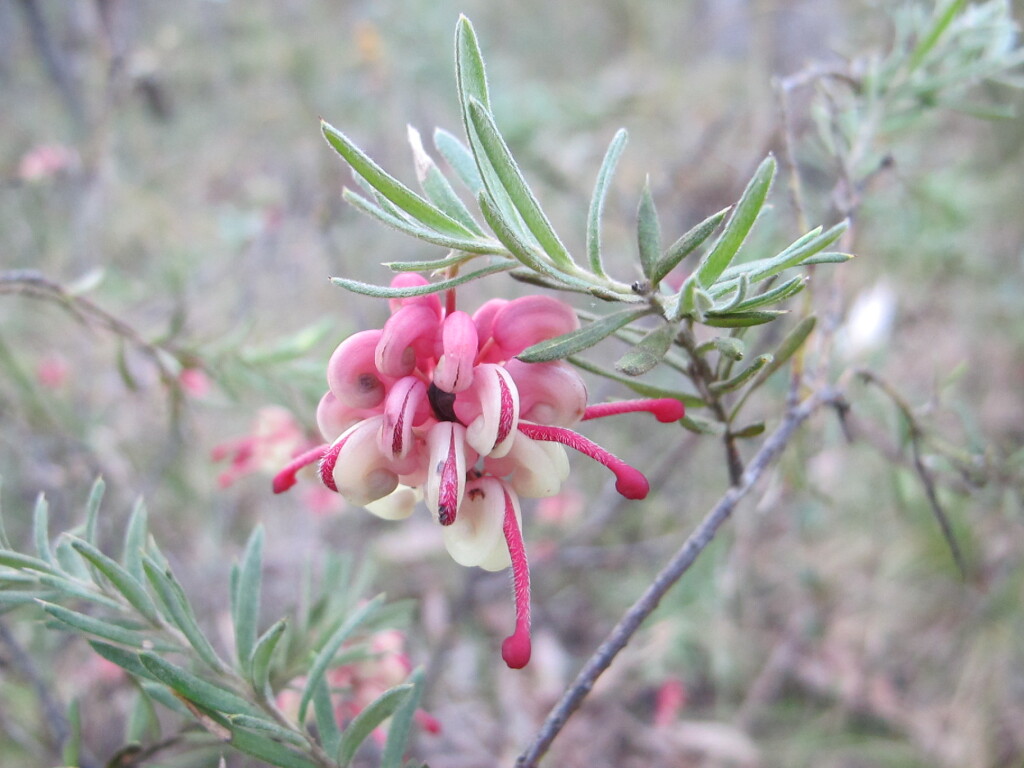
(742,287)
(730,347)
(261,660)
(460,159)
(741,319)
(368,719)
(247,603)
(467,244)
(5,542)
(452,260)
(130,588)
(930,38)
(827,257)
(326,653)
(686,245)
(741,378)
(521,249)
(648,233)
(16,597)
(384,292)
(326,718)
(436,187)
(267,750)
(774,295)
(582,338)
(702,426)
(92,508)
(576,286)
(135,536)
(41,529)
(96,627)
(469,65)
(143,724)
(751,430)
(739,224)
(194,688)
(74,588)
(125,659)
(797,253)
(401,724)
(73,745)
(267,728)
(176,604)
(72,563)
(787,348)
(399,194)
(648,352)
(511,179)
(165,697)
(597,200)
(26,562)
(472,85)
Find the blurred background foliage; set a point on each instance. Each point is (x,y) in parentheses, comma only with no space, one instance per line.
(164,162)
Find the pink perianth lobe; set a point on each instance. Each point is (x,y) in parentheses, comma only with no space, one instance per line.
(629,481)
(516,648)
(665,409)
(507,411)
(285,479)
(448,493)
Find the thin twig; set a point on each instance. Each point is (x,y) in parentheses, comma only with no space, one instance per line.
(916,435)
(617,639)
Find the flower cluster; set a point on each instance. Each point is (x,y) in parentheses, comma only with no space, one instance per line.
(436,406)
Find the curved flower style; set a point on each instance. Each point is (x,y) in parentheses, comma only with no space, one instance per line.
(435,405)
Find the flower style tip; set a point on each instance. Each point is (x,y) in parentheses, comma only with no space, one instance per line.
(286,478)
(629,481)
(665,409)
(516,648)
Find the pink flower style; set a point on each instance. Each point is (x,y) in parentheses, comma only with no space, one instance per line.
(436,406)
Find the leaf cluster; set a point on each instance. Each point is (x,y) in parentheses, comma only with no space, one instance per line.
(135,613)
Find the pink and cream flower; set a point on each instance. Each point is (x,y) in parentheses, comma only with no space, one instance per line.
(435,406)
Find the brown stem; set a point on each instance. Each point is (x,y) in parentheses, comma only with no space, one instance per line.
(621,634)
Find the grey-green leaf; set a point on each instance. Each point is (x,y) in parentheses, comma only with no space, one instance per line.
(92,508)
(401,724)
(648,233)
(597,200)
(648,352)
(741,319)
(419,209)
(176,604)
(582,338)
(436,187)
(135,540)
(458,156)
(93,626)
(130,588)
(261,660)
(247,597)
(515,186)
(406,227)
(741,378)
(365,722)
(326,653)
(385,292)
(739,224)
(194,688)
(686,245)
(41,529)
